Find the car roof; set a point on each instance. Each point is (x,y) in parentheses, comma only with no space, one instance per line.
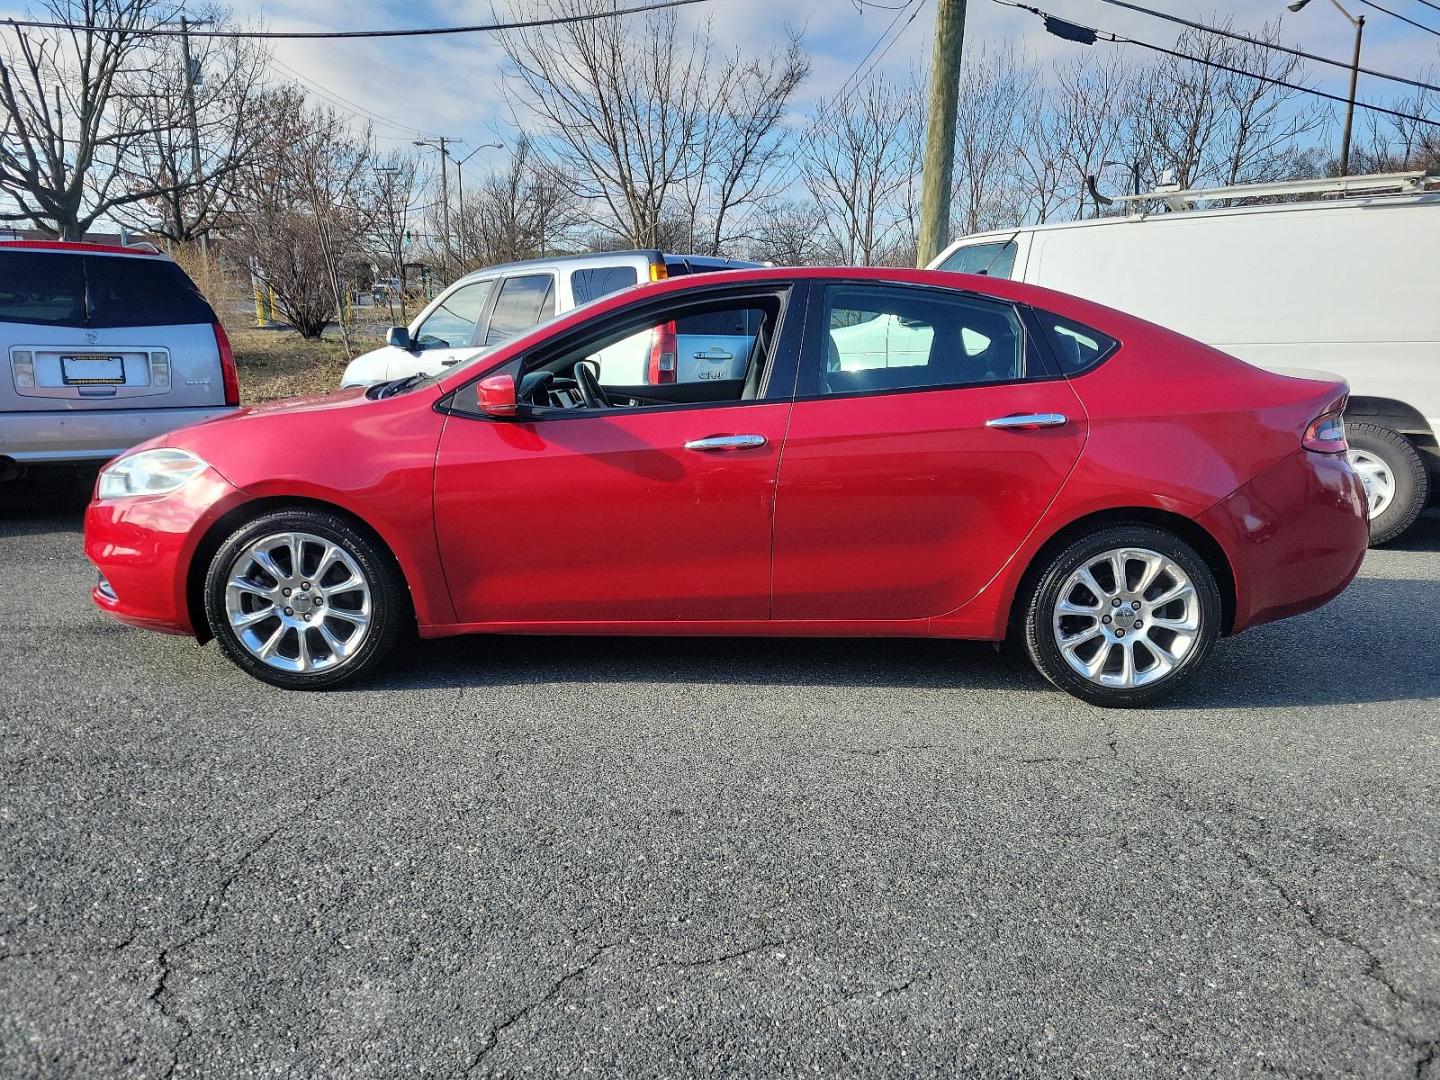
(608,258)
(79,247)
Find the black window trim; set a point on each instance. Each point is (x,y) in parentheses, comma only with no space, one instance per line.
(1013,238)
(1033,354)
(793,295)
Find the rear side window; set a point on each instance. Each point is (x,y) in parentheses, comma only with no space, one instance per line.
(996,260)
(523,302)
(1077,347)
(724,322)
(97,292)
(594,282)
(884,337)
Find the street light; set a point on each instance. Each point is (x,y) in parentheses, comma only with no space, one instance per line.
(1358,22)
(460,187)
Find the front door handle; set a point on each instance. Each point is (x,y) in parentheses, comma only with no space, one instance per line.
(715,443)
(1029,421)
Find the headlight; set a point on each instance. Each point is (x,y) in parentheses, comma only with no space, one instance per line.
(150,472)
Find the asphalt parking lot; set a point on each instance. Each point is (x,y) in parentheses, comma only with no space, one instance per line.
(660,858)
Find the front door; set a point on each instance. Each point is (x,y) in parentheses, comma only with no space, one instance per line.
(643,511)
(898,499)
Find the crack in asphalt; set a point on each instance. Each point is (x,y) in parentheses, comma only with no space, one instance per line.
(493,1039)
(1426,1049)
(876,995)
(759,946)
(213,901)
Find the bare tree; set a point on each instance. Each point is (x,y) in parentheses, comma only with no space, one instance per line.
(77,110)
(519,212)
(741,149)
(1205,124)
(646,124)
(1393,143)
(299,220)
(229,130)
(391,194)
(790,234)
(993,89)
(855,163)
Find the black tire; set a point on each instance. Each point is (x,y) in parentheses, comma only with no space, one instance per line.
(1407,470)
(389,611)
(1038,636)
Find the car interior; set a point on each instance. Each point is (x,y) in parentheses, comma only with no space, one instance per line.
(568,377)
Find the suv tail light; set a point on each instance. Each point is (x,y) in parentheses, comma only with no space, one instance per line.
(1326,433)
(658,271)
(663,348)
(228,375)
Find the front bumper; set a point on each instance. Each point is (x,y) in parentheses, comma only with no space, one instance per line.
(143,546)
(94,435)
(1295,536)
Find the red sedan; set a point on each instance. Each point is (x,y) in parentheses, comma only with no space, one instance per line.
(876,453)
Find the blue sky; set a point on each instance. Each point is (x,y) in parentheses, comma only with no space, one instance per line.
(452,85)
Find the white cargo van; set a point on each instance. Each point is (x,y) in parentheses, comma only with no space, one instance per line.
(1343,277)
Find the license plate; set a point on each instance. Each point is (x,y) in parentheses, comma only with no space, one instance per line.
(90,370)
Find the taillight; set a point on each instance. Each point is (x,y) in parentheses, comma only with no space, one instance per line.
(663,347)
(229,377)
(1326,433)
(658,272)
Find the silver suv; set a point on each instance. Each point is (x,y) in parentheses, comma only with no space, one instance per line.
(484,308)
(104,347)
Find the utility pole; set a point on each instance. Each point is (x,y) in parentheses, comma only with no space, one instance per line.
(939,168)
(1358,22)
(441,143)
(194,127)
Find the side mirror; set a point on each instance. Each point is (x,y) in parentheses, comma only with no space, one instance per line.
(496,396)
(398,337)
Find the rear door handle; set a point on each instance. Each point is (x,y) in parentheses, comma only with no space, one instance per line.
(715,443)
(1029,421)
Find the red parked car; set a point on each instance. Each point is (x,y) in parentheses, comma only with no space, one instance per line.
(908,453)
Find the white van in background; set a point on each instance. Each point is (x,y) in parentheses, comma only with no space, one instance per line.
(1347,282)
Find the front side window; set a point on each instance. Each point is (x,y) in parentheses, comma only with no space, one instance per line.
(593,282)
(452,324)
(523,302)
(885,337)
(994,260)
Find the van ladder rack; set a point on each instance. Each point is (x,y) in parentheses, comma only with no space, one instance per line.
(1396,183)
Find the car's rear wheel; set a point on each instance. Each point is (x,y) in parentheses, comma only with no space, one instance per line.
(1396,483)
(304,600)
(1123,616)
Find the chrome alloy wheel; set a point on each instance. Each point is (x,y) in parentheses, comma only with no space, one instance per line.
(298,602)
(1126,617)
(1374,472)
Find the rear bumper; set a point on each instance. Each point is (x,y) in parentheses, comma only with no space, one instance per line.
(94,435)
(144,545)
(1295,536)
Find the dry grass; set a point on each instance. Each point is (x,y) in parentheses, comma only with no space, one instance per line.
(280,363)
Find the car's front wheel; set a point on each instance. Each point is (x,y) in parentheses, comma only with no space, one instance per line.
(1123,616)
(304,600)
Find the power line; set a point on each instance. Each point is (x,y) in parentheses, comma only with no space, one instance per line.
(1402,18)
(1268,44)
(345,103)
(1107,35)
(298,35)
(1429,4)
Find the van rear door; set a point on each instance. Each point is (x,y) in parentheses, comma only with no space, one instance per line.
(100,331)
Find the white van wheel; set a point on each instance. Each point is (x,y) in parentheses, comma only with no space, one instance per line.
(1397,486)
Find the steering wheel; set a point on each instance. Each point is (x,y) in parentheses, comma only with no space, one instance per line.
(534,388)
(587,382)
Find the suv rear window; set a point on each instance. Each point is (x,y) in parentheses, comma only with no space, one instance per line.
(96,291)
(594,282)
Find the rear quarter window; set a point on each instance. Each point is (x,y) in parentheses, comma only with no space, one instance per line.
(1077,347)
(94,291)
(593,282)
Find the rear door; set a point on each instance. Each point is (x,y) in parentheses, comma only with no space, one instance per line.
(899,497)
(104,331)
